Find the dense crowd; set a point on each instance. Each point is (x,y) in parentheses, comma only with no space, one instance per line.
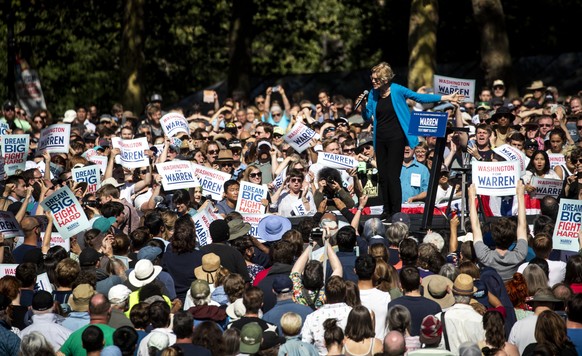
(321,273)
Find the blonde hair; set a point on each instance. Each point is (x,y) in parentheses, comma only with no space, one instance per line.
(291,324)
(383,71)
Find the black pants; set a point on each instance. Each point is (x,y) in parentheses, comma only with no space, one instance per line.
(389,156)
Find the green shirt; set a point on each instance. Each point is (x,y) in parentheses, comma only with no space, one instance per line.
(74,344)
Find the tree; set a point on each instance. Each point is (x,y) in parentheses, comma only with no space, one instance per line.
(422,38)
(131,55)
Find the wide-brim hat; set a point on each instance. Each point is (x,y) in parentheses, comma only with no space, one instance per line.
(225,156)
(81,297)
(503,111)
(536,85)
(272,227)
(209,268)
(238,228)
(438,288)
(111,181)
(143,273)
(463,285)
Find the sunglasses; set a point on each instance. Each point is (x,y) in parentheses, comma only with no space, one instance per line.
(226,164)
(296,180)
(546,125)
(239,127)
(342,124)
(349,150)
(257,133)
(277,136)
(375,80)
(579,127)
(38,121)
(579,160)
(143,172)
(429,158)
(260,102)
(277,114)
(212,152)
(367,147)
(237,152)
(498,87)
(255,175)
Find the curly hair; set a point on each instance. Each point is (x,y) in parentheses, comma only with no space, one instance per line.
(494,328)
(517,290)
(184,239)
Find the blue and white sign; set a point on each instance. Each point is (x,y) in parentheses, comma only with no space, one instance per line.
(55,139)
(177,175)
(174,123)
(89,174)
(14,150)
(337,161)
(211,180)
(425,123)
(132,153)
(68,215)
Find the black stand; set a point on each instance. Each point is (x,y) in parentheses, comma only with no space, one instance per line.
(434,178)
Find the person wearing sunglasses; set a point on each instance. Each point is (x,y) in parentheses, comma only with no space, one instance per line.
(292,193)
(254,175)
(387,104)
(277,115)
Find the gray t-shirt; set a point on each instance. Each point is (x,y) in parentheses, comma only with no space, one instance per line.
(506,265)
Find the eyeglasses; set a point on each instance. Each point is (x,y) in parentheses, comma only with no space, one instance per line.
(277,136)
(349,150)
(43,116)
(330,129)
(145,133)
(296,180)
(260,102)
(237,152)
(579,127)
(143,172)
(255,175)
(430,158)
(546,125)
(498,87)
(212,152)
(276,114)
(342,124)
(38,121)
(257,133)
(367,147)
(226,164)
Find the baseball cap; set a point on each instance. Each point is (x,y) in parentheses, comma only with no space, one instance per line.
(42,300)
(278,131)
(89,257)
(401,217)
(498,82)
(118,294)
(531,143)
(431,330)
(282,284)
(149,253)
(8,104)
(251,336)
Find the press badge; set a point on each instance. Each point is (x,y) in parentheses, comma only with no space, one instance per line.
(415,180)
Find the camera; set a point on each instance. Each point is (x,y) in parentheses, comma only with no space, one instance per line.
(92,203)
(275,89)
(316,233)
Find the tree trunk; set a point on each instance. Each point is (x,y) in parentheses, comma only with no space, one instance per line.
(132,57)
(240,41)
(495,56)
(424,19)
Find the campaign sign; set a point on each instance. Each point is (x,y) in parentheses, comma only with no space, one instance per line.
(8,269)
(254,220)
(448,85)
(43,283)
(55,139)
(68,215)
(14,150)
(425,123)
(4,128)
(250,197)
(89,174)
(58,240)
(556,159)
(211,180)
(299,137)
(337,161)
(173,123)
(177,175)
(278,182)
(546,186)
(511,153)
(101,161)
(496,178)
(299,208)
(9,227)
(89,153)
(202,221)
(568,225)
(132,153)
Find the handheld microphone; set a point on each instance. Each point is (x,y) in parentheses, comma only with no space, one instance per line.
(360,101)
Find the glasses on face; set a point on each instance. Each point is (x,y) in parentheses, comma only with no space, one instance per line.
(239,127)
(296,180)
(367,147)
(579,127)
(144,171)
(342,124)
(277,114)
(260,102)
(148,133)
(375,80)
(37,121)
(212,152)
(256,175)
(498,87)
(237,152)
(546,125)
(348,150)
(430,158)
(257,133)
(226,164)
(43,117)
(277,136)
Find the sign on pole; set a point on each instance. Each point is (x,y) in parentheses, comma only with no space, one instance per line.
(426,123)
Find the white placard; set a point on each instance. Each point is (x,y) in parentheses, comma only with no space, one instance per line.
(202,221)
(448,85)
(55,139)
(299,208)
(250,198)
(8,269)
(68,215)
(58,240)
(496,178)
(211,180)
(89,174)
(177,175)
(101,161)
(337,161)
(43,282)
(132,153)
(14,150)
(4,128)
(556,159)
(254,220)
(546,186)
(9,227)
(568,225)
(299,137)
(174,123)
(511,153)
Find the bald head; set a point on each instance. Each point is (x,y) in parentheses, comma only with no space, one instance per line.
(30,226)
(394,344)
(99,305)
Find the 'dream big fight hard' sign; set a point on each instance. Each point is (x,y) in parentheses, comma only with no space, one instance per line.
(68,215)
(14,151)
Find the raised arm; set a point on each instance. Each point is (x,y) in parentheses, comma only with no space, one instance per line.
(453,241)
(521,218)
(299,265)
(475,225)
(110,163)
(334,262)
(286,103)
(46,241)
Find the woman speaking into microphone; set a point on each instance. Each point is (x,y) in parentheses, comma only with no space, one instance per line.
(386,105)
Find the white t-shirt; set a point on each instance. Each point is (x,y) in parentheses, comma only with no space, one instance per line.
(377,301)
(557,271)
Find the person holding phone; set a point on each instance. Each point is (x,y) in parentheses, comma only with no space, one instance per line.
(386,105)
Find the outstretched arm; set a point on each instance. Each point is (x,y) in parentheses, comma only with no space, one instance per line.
(475,225)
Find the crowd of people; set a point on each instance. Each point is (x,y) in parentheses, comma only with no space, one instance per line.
(328,279)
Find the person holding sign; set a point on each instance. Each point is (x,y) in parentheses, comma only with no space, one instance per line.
(539,166)
(387,107)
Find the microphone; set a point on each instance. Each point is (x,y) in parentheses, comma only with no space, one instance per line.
(360,101)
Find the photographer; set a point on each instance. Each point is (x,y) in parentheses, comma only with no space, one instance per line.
(330,187)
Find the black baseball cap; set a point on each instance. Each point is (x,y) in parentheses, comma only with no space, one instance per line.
(42,300)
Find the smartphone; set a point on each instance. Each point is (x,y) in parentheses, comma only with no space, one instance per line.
(275,89)
(471,143)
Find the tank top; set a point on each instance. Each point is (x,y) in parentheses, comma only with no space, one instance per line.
(370,351)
